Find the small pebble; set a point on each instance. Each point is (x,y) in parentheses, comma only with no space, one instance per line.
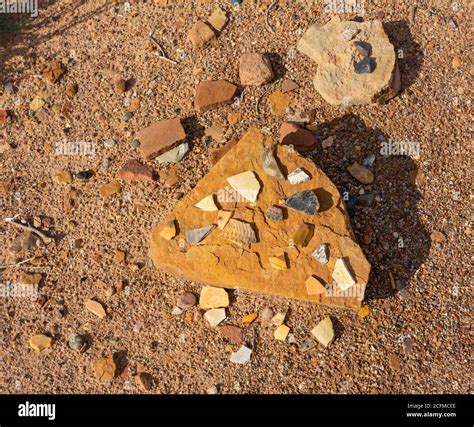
(187,300)
(78,343)
(127,116)
(109,143)
(84,175)
(267,313)
(135,143)
(369,161)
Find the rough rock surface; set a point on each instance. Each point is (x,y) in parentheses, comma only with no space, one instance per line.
(255,69)
(219,262)
(336,79)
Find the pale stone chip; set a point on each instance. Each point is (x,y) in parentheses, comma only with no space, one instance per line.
(40,342)
(298,176)
(324,331)
(242,356)
(207,204)
(246,184)
(215,316)
(342,275)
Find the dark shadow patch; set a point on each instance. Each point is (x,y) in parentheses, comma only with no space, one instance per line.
(395,211)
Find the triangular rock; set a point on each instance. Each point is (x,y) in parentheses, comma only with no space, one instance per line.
(223,263)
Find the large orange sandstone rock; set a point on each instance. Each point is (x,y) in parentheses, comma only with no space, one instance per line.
(221,262)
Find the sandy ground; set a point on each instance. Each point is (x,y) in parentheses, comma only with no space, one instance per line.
(430,307)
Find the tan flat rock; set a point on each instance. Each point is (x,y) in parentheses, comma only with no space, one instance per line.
(333,47)
(222,263)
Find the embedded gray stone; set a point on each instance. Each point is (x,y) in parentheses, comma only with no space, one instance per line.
(197,234)
(304,201)
(270,164)
(174,155)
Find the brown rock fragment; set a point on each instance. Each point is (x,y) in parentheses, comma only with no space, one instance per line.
(233,333)
(201,34)
(288,86)
(213,93)
(302,139)
(105,368)
(161,137)
(145,380)
(218,19)
(223,264)
(3,116)
(96,308)
(133,170)
(255,69)
(53,72)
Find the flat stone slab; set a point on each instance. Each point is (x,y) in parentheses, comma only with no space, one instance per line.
(338,80)
(222,263)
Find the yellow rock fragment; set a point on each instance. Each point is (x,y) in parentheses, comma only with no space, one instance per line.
(109,189)
(303,235)
(212,297)
(37,103)
(281,332)
(218,19)
(169,230)
(279,262)
(314,286)
(96,307)
(364,311)
(63,177)
(40,342)
(247,320)
(279,103)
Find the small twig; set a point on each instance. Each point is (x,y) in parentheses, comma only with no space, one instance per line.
(3,267)
(162,54)
(267,13)
(28,227)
